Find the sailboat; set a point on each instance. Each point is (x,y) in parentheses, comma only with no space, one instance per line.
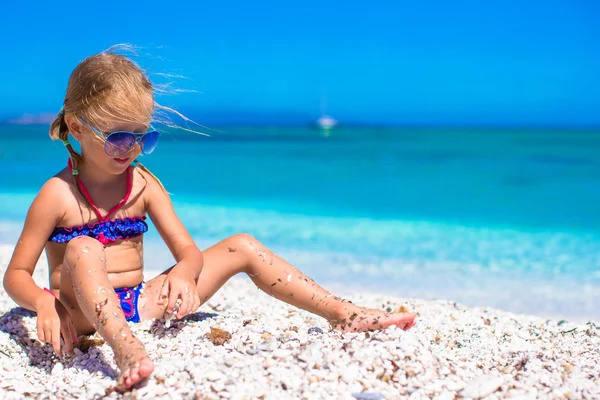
(325,122)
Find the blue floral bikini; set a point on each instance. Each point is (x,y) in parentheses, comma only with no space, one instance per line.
(106,232)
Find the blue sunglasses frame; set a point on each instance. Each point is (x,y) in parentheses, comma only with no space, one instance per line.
(137,138)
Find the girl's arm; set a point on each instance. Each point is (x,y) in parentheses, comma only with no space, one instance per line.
(42,218)
(171,229)
(180,281)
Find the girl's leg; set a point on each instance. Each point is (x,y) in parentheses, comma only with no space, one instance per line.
(87,292)
(243,253)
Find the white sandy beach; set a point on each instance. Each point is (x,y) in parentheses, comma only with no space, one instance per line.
(453,352)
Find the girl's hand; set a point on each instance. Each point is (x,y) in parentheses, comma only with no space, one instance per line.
(180,284)
(53,320)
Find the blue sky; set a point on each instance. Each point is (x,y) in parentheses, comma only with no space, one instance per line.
(384,62)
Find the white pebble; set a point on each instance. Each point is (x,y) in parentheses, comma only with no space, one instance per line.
(213,375)
(57,369)
(482,386)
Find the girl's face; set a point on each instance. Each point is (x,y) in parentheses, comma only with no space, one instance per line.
(92,140)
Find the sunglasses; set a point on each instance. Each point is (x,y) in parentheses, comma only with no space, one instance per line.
(119,143)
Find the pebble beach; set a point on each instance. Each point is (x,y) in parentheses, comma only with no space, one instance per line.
(244,344)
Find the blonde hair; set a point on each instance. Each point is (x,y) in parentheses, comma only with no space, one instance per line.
(108,87)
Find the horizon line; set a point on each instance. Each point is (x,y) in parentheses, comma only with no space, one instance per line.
(382,125)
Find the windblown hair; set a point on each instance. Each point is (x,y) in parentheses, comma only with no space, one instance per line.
(108,87)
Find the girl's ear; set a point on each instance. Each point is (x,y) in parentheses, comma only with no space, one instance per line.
(75,126)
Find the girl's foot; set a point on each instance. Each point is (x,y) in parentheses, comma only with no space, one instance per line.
(134,364)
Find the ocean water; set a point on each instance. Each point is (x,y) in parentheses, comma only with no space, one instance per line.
(501,218)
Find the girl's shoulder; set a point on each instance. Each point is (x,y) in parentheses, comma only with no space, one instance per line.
(151,189)
(56,195)
(59,186)
(145,181)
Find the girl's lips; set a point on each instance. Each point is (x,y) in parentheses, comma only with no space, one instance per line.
(121,160)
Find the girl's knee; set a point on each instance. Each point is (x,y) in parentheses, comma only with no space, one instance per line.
(80,246)
(250,249)
(242,240)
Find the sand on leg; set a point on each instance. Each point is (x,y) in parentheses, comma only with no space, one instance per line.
(278,278)
(84,272)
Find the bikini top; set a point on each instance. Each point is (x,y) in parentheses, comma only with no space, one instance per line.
(105,231)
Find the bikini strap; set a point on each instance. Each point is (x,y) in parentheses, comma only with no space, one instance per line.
(89,198)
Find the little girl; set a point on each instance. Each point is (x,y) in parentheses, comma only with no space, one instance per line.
(91,216)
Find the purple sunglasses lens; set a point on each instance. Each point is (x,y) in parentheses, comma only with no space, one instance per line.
(149,142)
(119,143)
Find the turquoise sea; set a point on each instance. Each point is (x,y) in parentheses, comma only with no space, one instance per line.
(505,218)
